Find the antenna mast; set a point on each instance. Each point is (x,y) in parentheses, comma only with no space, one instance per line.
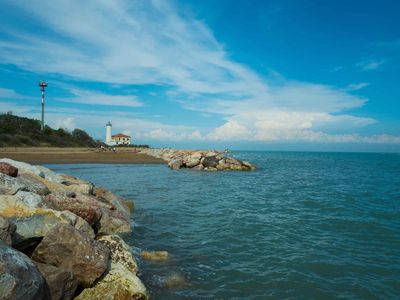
(42,85)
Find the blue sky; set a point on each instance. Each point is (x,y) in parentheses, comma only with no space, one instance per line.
(273,75)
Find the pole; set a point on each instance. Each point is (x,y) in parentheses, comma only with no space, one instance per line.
(43,85)
(42,108)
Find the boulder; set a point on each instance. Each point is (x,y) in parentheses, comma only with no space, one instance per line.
(117,203)
(23,167)
(19,277)
(117,283)
(7,230)
(61,283)
(10,185)
(33,184)
(55,187)
(87,210)
(199,167)
(120,252)
(8,169)
(34,221)
(77,185)
(210,161)
(155,255)
(111,222)
(175,164)
(67,248)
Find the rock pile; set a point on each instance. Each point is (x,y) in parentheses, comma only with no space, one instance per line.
(199,160)
(58,238)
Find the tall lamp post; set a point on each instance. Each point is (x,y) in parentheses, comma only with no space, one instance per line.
(42,85)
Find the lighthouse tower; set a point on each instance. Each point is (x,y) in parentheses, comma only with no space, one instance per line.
(108,134)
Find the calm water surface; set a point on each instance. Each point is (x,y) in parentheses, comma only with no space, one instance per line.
(303,226)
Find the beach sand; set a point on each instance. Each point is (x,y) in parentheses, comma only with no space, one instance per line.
(54,155)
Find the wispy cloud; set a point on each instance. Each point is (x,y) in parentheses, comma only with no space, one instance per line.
(371,64)
(357,86)
(96,98)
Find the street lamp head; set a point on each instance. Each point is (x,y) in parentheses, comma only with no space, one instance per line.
(42,84)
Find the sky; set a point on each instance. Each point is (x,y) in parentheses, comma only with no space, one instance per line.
(243,74)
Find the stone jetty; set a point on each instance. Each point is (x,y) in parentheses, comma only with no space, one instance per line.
(59,238)
(199,160)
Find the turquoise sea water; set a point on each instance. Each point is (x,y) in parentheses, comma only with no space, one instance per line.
(303,226)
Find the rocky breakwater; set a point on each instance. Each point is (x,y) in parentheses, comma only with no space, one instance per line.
(59,238)
(199,160)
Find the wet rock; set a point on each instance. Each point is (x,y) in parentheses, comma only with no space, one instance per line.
(7,230)
(170,280)
(120,252)
(117,283)
(155,255)
(19,277)
(175,164)
(10,185)
(199,167)
(8,169)
(67,248)
(61,283)
(210,162)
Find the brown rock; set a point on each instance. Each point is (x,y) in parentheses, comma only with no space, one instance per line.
(67,248)
(8,169)
(61,283)
(89,210)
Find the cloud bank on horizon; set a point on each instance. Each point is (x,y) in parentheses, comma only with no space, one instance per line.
(159,73)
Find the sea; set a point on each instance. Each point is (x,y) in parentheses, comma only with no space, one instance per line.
(304,225)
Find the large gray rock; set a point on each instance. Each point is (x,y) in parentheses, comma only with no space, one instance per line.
(7,230)
(61,283)
(10,185)
(8,169)
(19,277)
(68,248)
(32,220)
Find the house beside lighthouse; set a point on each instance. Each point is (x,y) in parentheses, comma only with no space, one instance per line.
(116,139)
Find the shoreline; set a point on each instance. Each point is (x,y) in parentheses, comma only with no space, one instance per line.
(53,155)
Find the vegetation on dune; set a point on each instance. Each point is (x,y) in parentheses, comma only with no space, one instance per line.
(20,131)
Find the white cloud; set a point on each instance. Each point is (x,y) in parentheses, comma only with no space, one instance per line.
(66,123)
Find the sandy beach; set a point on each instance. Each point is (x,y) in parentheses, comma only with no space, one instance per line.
(53,155)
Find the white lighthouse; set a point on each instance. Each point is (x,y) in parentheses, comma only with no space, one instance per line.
(109,140)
